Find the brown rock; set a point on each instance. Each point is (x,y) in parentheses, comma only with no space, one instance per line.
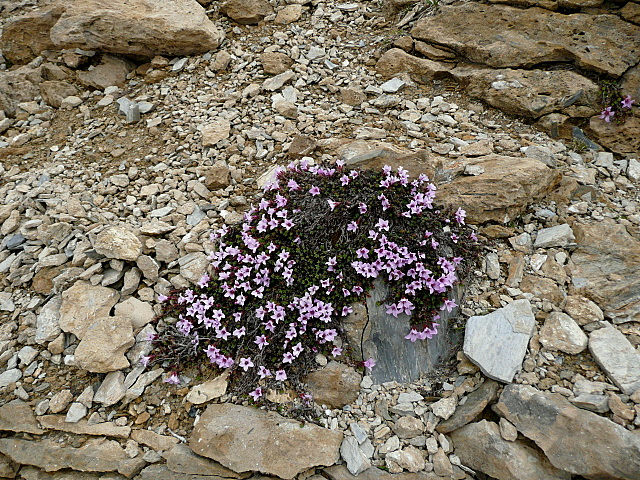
(104,344)
(157,472)
(17,86)
(631,12)
(118,242)
(289,14)
(542,288)
(476,402)
(17,416)
(154,440)
(433,53)
(561,332)
(24,38)
(82,304)
(408,427)
(245,439)
(215,131)
(82,427)
(145,28)
(275,63)
(598,448)
(352,96)
(246,12)
(216,176)
(334,385)
(112,71)
(507,186)
(181,459)
(471,29)
(621,138)
(619,408)
(480,447)
(8,468)
(396,61)
(54,92)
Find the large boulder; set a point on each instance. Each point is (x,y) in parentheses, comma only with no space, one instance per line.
(504,189)
(622,138)
(575,440)
(506,37)
(143,27)
(246,439)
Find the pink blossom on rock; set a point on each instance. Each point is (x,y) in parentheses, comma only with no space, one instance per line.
(607,114)
(245,363)
(627,102)
(448,305)
(256,394)
(314,191)
(173,379)
(369,364)
(281,375)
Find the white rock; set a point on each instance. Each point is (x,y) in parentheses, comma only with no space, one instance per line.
(558,236)
(561,332)
(617,357)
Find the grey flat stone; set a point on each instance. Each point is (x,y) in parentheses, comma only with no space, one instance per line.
(497,342)
(558,236)
(617,357)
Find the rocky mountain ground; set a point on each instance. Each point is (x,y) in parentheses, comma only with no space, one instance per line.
(128,133)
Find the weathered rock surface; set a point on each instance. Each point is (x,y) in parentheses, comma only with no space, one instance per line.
(608,268)
(561,332)
(118,242)
(82,304)
(244,439)
(82,427)
(17,416)
(208,390)
(246,12)
(505,188)
(104,344)
(621,138)
(497,342)
(111,71)
(23,38)
(599,448)
(47,323)
(505,37)
(617,357)
(396,61)
(481,447)
(334,385)
(181,459)
(145,28)
(476,402)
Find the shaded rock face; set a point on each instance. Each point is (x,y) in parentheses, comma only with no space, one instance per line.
(598,447)
(146,28)
(507,37)
(481,447)
(620,138)
(608,269)
(505,188)
(245,439)
(335,385)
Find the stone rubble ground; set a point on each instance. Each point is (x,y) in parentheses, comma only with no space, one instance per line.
(108,195)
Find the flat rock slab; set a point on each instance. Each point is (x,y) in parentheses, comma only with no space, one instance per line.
(607,262)
(17,416)
(103,347)
(340,472)
(503,191)
(82,304)
(481,447)
(144,27)
(506,37)
(497,342)
(617,357)
(118,242)
(598,448)
(181,459)
(246,439)
(334,385)
(476,402)
(82,427)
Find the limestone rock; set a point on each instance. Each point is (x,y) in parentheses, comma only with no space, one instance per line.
(17,416)
(23,38)
(445,407)
(480,447)
(357,462)
(617,357)
(145,28)
(215,131)
(193,266)
(154,440)
(82,427)
(158,471)
(408,427)
(396,60)
(216,176)
(598,448)
(507,186)
(558,236)
(208,390)
(244,439)
(138,312)
(542,288)
(111,390)
(104,344)
(54,92)
(334,385)
(111,71)
(48,321)
(340,472)
(607,271)
(497,342)
(561,332)
(180,459)
(118,242)
(246,12)
(505,37)
(409,458)
(275,63)
(621,138)
(17,86)
(475,404)
(582,310)
(289,14)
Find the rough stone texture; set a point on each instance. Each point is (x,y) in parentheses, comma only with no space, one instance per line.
(542,288)
(357,462)
(17,416)
(334,385)
(497,342)
(54,92)
(531,93)
(17,86)
(481,447)
(620,138)
(275,63)
(23,38)
(118,242)
(157,471)
(111,390)
(244,439)
(154,440)
(505,37)
(582,310)
(246,12)
(82,427)
(215,131)
(209,390)
(138,312)
(181,459)
(396,60)
(111,71)
(607,270)
(409,458)
(82,304)
(104,344)
(561,332)
(505,188)
(96,455)
(598,448)
(340,472)
(146,27)
(617,357)
(47,323)
(557,236)
(396,358)
(475,404)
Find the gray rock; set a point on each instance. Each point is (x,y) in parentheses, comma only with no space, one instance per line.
(118,242)
(277,82)
(546,417)
(111,390)
(493,266)
(141,383)
(207,391)
(497,342)
(82,304)
(408,397)
(393,85)
(10,376)
(357,462)
(558,236)
(481,447)
(181,459)
(244,439)
(476,402)
(14,242)
(47,323)
(103,347)
(617,357)
(193,266)
(17,416)
(561,332)
(76,412)
(593,403)
(358,432)
(445,407)
(27,354)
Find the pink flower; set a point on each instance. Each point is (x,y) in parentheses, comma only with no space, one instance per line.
(287,357)
(245,363)
(460,215)
(627,102)
(332,204)
(362,207)
(413,335)
(369,364)
(607,114)
(336,352)
(448,305)
(256,394)
(352,227)
(261,341)
(281,375)
(362,253)
(263,371)
(382,224)
(172,379)
(344,180)
(314,191)
(144,360)
(162,298)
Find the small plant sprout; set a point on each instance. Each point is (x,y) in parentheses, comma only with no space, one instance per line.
(282,282)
